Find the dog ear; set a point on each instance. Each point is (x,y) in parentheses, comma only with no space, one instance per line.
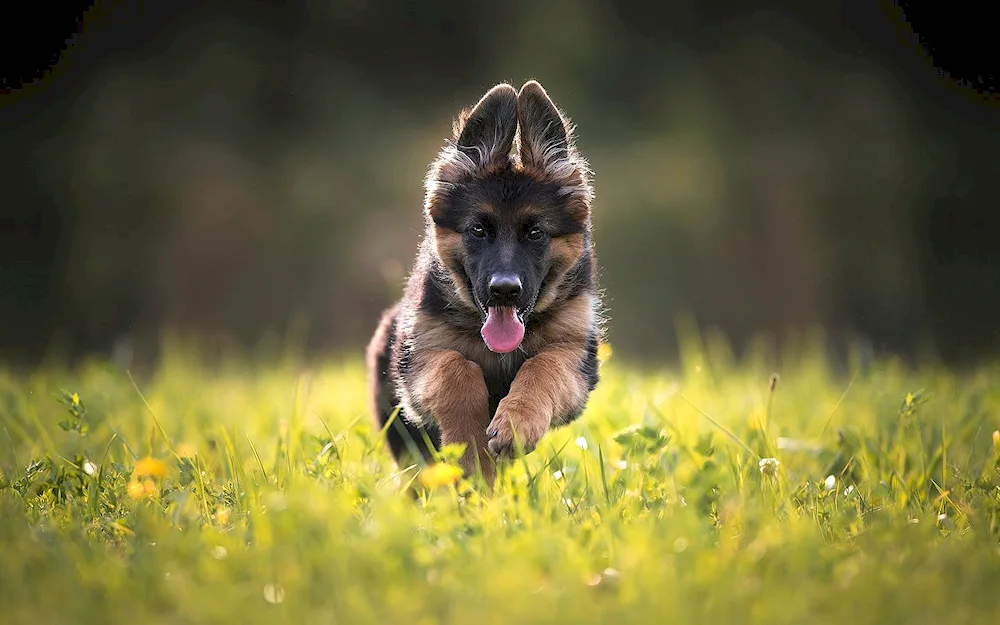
(544,135)
(486,133)
(547,150)
(483,138)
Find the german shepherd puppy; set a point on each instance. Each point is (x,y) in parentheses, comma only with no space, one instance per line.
(495,339)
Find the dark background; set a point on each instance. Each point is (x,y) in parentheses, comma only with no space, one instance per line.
(253,171)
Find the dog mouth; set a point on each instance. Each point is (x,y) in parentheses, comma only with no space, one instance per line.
(503,328)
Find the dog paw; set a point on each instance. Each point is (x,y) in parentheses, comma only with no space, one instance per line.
(515,426)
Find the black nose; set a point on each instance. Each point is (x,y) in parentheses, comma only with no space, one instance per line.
(504,286)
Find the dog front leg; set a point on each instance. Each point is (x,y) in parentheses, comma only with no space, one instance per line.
(549,388)
(453,390)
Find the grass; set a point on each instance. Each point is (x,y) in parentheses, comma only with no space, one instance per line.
(241,494)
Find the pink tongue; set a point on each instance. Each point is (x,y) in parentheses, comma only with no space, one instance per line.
(502,331)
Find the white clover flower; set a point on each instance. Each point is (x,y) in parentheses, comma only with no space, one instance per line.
(769,466)
(831,482)
(581,442)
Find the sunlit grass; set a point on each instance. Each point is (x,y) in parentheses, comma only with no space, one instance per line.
(715,493)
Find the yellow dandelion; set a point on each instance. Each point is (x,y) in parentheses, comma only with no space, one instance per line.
(76,399)
(135,490)
(150,467)
(440,474)
(149,487)
(222,515)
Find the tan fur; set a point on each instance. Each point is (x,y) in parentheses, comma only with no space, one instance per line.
(579,201)
(546,387)
(548,384)
(570,322)
(564,252)
(448,244)
(434,334)
(444,374)
(453,389)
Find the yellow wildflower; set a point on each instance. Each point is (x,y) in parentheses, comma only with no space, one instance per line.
(150,467)
(135,490)
(76,399)
(604,352)
(440,474)
(909,399)
(222,514)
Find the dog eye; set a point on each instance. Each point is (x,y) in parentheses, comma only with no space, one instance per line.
(535,234)
(478,231)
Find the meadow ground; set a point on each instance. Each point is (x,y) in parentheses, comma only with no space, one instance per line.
(238,494)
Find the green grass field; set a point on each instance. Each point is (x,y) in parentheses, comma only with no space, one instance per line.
(249,495)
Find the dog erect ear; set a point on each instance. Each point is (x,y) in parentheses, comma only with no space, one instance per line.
(547,150)
(486,134)
(483,139)
(544,136)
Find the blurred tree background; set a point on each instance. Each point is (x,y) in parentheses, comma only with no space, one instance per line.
(239,171)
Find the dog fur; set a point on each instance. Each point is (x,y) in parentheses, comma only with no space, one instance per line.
(508,203)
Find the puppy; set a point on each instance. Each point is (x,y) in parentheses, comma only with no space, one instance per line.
(494,341)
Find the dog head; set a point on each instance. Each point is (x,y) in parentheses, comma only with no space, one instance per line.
(506,226)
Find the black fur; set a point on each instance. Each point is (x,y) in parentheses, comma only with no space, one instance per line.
(505,189)
(491,214)
(403,436)
(590,364)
